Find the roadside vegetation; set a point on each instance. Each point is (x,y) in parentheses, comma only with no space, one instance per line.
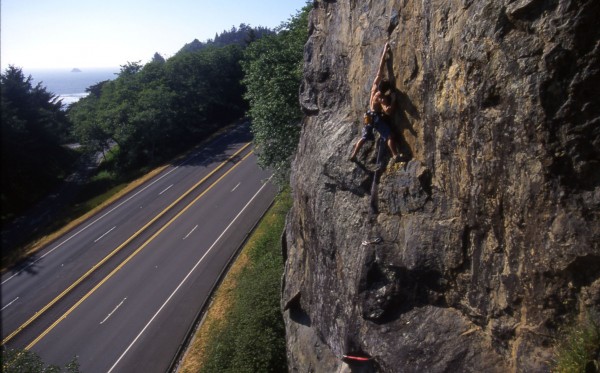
(272,76)
(579,350)
(149,113)
(145,117)
(243,329)
(19,361)
(142,119)
(33,129)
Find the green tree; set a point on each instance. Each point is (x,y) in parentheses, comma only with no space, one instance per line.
(21,361)
(153,111)
(156,110)
(158,58)
(273,72)
(207,86)
(88,129)
(33,128)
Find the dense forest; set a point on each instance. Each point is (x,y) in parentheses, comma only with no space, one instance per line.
(151,112)
(154,111)
(33,129)
(242,36)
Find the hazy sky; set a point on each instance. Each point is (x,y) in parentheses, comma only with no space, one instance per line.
(110,33)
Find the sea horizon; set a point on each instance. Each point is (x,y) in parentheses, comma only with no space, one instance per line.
(68,85)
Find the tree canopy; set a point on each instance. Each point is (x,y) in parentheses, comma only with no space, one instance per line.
(33,129)
(153,111)
(273,72)
(242,36)
(19,361)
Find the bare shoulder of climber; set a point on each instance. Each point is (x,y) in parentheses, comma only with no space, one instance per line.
(382,105)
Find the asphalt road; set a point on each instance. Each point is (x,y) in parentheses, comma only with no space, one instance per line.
(121,291)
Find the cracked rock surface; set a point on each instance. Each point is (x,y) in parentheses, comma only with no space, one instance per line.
(490,231)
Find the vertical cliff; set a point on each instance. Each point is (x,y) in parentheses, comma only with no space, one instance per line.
(490,232)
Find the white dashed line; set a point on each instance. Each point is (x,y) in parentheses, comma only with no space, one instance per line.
(193,229)
(113,311)
(169,187)
(99,238)
(8,305)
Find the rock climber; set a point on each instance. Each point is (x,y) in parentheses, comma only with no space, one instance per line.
(382,105)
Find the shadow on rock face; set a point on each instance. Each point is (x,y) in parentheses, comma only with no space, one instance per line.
(297,313)
(389,291)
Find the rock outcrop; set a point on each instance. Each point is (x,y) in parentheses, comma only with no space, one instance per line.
(490,232)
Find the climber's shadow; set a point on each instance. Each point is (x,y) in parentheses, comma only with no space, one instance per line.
(403,123)
(370,165)
(361,163)
(404,106)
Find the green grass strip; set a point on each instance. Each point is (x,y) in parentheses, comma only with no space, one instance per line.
(243,330)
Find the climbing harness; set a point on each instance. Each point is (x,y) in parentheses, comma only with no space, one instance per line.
(368,117)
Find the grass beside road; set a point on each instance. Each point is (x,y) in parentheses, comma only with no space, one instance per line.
(243,328)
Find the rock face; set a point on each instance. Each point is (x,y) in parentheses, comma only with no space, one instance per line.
(490,232)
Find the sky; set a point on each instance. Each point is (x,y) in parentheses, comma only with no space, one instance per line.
(38,34)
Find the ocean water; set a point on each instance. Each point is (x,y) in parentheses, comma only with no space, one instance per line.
(70,86)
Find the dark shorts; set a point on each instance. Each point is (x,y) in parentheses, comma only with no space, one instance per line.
(378,125)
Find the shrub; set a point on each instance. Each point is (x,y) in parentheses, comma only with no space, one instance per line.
(19,361)
(579,351)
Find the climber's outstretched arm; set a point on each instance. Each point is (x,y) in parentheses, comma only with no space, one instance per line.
(380,70)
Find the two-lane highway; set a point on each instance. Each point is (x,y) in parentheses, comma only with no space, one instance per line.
(121,291)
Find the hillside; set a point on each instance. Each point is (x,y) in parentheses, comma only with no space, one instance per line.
(242,36)
(490,232)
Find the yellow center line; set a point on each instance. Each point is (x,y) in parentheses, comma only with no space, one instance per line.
(131,256)
(119,248)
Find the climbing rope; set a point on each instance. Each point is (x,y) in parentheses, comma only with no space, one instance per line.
(378,167)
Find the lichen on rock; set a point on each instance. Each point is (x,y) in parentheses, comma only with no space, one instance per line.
(490,234)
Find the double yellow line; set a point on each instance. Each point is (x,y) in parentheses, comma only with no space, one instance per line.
(120,247)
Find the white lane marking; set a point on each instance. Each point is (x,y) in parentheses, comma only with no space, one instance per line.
(193,229)
(184,280)
(113,311)
(100,218)
(101,237)
(8,305)
(232,190)
(169,187)
(89,225)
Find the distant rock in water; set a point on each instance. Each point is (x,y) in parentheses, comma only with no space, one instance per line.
(75,70)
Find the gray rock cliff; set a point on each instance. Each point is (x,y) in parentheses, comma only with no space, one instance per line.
(490,231)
